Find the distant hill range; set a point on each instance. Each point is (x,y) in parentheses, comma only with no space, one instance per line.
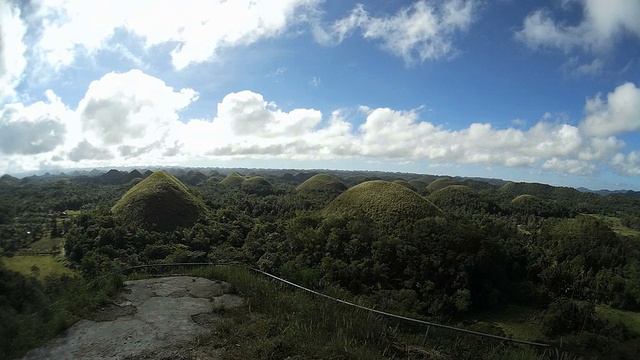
(627,193)
(200,176)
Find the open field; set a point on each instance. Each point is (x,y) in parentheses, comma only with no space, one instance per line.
(47,265)
(616,225)
(629,318)
(47,244)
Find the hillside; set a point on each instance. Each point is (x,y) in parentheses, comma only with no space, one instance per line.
(384,202)
(159,202)
(233,180)
(405,184)
(441,184)
(322,182)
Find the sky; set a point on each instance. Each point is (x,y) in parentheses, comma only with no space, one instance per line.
(526,90)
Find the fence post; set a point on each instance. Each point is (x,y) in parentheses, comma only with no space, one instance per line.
(424,340)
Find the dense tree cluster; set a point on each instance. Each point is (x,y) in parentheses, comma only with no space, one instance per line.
(484,246)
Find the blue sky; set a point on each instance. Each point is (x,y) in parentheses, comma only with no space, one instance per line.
(520,90)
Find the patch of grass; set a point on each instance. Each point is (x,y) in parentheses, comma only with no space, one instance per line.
(46,266)
(46,243)
(616,225)
(73,212)
(518,322)
(629,318)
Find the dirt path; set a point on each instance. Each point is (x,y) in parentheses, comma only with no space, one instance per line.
(151,319)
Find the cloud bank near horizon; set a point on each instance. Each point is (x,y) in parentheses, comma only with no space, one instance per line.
(134,118)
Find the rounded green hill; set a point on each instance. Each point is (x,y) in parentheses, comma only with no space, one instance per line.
(159,202)
(405,184)
(233,180)
(257,185)
(322,182)
(441,184)
(384,203)
(419,185)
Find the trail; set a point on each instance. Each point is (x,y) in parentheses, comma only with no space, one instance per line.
(151,319)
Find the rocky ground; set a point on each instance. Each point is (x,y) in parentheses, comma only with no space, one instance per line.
(158,318)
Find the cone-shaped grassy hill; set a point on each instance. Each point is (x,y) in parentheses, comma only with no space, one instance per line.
(459,199)
(419,185)
(159,202)
(322,182)
(233,180)
(405,184)
(384,202)
(257,185)
(441,184)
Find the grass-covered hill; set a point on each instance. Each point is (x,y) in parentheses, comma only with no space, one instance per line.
(441,183)
(322,182)
(533,205)
(159,202)
(461,199)
(543,191)
(257,185)
(233,180)
(384,202)
(405,184)
(419,185)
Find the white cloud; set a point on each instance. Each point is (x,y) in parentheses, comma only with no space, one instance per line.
(198,28)
(86,151)
(134,118)
(33,129)
(574,68)
(603,22)
(420,32)
(12,49)
(628,164)
(618,114)
(132,109)
(570,166)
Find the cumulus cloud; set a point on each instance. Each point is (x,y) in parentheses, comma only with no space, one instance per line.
(131,108)
(618,114)
(33,129)
(628,164)
(603,22)
(86,151)
(197,29)
(423,31)
(134,118)
(12,49)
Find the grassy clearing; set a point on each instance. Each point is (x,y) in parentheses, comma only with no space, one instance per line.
(629,318)
(46,266)
(616,225)
(47,244)
(517,322)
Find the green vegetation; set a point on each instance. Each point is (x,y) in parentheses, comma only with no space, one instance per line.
(323,183)
(384,202)
(281,322)
(441,184)
(159,202)
(516,259)
(233,180)
(616,225)
(419,185)
(405,184)
(39,266)
(32,312)
(257,185)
